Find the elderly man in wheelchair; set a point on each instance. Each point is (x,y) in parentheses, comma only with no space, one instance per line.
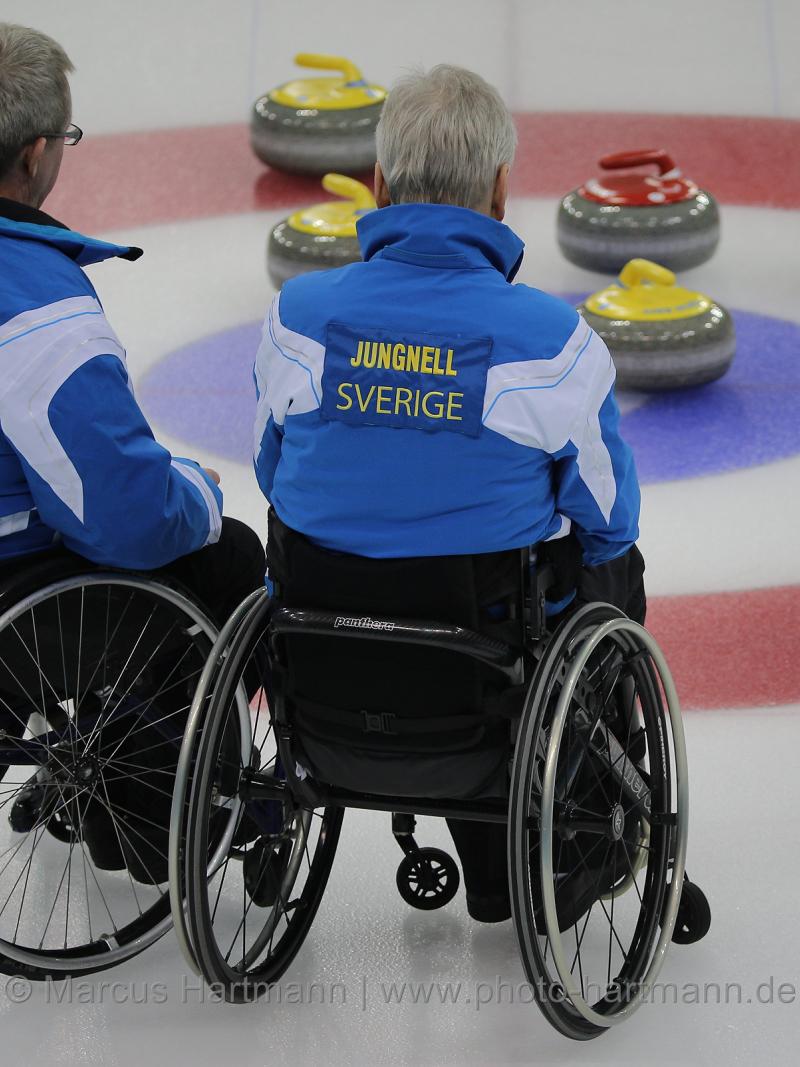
(116,566)
(456,595)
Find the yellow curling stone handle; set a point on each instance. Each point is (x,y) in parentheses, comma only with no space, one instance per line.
(315,61)
(647,292)
(335,218)
(644,271)
(349,189)
(344,93)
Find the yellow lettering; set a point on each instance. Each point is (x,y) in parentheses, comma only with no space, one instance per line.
(398,361)
(362,403)
(404,400)
(384,356)
(384,395)
(438,410)
(400,357)
(344,396)
(454,405)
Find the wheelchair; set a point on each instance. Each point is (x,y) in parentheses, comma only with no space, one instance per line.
(312,701)
(97,672)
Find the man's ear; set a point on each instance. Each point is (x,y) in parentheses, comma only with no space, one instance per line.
(382,198)
(31,156)
(500,193)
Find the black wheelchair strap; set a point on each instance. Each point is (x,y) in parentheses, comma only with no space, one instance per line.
(384,722)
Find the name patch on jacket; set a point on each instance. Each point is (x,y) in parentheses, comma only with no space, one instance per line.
(433,382)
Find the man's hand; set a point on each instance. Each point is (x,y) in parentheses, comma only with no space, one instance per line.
(212,474)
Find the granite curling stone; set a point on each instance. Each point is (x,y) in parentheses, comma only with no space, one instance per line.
(321,236)
(660,335)
(321,124)
(618,217)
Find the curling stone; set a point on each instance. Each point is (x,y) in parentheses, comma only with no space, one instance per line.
(315,125)
(617,217)
(660,335)
(321,236)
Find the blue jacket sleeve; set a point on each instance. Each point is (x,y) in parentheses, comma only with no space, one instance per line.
(595,476)
(99,477)
(268,432)
(267,457)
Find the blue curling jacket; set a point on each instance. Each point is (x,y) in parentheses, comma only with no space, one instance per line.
(78,462)
(418,403)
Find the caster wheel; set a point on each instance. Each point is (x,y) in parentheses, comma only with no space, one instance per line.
(694,915)
(427,879)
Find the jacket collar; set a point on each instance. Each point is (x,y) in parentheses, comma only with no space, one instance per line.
(441,236)
(20,220)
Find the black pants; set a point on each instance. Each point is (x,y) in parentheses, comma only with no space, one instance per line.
(220,576)
(481,846)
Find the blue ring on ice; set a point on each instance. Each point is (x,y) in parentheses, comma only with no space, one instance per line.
(203,394)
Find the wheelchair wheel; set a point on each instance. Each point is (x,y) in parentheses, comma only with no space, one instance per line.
(185,770)
(427,878)
(247,917)
(97,670)
(598,820)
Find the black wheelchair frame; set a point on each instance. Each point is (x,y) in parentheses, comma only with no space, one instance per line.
(598,767)
(575,778)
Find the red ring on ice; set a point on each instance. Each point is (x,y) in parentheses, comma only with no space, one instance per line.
(119,180)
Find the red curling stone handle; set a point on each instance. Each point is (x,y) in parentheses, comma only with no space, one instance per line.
(655,156)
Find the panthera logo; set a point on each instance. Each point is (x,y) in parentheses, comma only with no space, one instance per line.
(364,623)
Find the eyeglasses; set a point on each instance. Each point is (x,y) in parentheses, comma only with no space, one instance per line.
(71,135)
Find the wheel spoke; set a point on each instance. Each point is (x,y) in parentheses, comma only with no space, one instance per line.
(35,660)
(133,682)
(55,898)
(117,831)
(589,731)
(36,838)
(141,779)
(113,810)
(103,659)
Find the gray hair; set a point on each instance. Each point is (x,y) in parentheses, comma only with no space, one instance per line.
(34,91)
(442,137)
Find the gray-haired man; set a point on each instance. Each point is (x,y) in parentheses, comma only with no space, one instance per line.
(418,404)
(80,470)
(79,466)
